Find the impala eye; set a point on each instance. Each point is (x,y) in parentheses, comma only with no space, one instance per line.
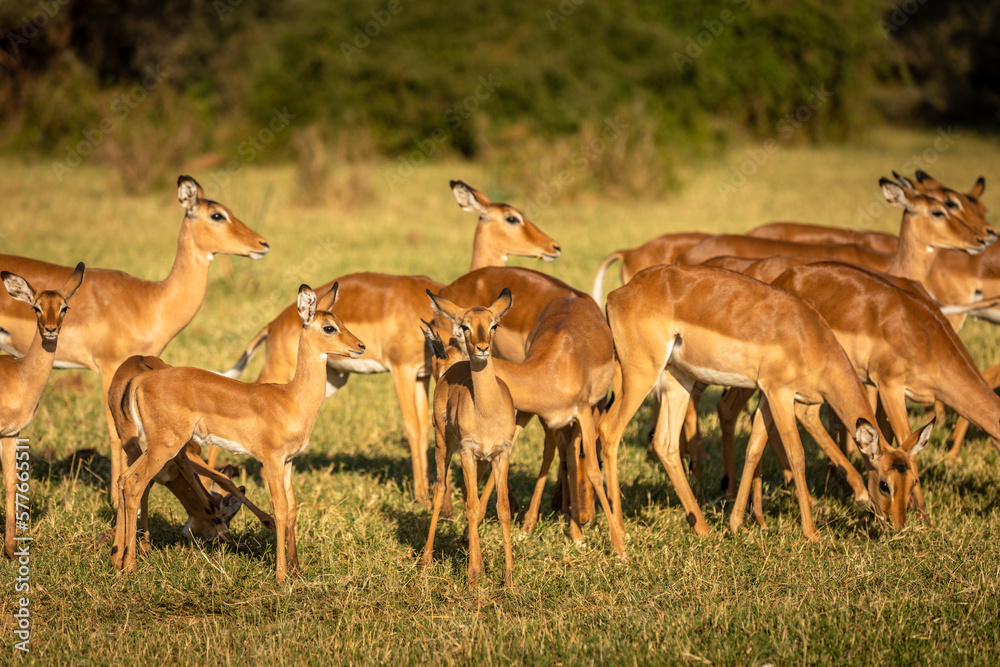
(883,487)
(63,310)
(218,217)
(37,309)
(329,328)
(495,327)
(938,214)
(466,328)
(951,204)
(512,220)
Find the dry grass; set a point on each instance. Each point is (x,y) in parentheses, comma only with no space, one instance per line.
(858,596)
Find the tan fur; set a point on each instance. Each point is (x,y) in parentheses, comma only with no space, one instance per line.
(473,412)
(24,379)
(117,316)
(270,422)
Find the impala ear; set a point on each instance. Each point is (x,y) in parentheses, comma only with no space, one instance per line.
(867,438)
(74,282)
(502,304)
(896,194)
(903,180)
(918,439)
(188,193)
(306,304)
(434,341)
(469,198)
(443,306)
(331,297)
(977,189)
(18,287)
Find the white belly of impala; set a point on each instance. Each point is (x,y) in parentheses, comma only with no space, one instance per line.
(204,439)
(361,365)
(706,375)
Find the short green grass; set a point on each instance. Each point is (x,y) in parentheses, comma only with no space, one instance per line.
(859,595)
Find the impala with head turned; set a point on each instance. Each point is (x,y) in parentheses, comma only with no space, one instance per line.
(270,422)
(117,315)
(23,380)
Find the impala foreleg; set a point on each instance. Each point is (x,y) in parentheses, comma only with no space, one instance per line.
(750,479)
(470,470)
(500,467)
(809,416)
(9,457)
(531,517)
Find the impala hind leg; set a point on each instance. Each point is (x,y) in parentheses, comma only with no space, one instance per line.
(750,480)
(408,388)
(442,454)
(675,396)
(531,516)
(138,477)
(732,403)
(630,390)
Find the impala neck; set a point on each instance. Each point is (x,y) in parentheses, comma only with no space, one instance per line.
(484,253)
(308,385)
(486,393)
(31,374)
(913,258)
(183,291)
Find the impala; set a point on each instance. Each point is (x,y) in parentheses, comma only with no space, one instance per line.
(24,379)
(270,422)
(897,341)
(386,311)
(564,377)
(117,315)
(675,326)
(473,412)
(927,225)
(209,512)
(661,250)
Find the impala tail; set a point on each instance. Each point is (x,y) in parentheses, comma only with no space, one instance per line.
(601,270)
(236,371)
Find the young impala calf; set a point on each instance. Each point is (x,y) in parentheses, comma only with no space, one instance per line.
(22,380)
(473,411)
(209,512)
(270,422)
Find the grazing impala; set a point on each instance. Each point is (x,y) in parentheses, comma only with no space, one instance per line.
(22,380)
(386,311)
(474,413)
(675,326)
(270,422)
(116,315)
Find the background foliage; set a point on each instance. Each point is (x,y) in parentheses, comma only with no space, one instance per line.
(380,77)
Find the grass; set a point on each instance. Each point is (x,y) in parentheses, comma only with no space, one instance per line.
(858,596)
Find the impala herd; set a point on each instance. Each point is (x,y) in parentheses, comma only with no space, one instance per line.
(805,314)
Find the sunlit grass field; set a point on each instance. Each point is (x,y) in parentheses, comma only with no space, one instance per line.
(928,594)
